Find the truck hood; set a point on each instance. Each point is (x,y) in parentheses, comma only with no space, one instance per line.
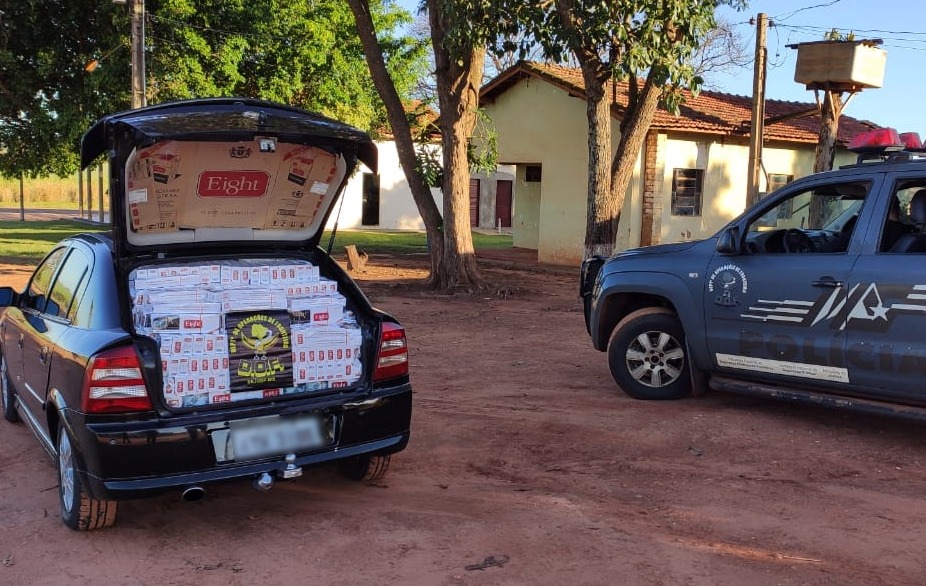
(225,170)
(657,249)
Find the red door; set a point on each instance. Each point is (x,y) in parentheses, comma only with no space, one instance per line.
(473,203)
(503,204)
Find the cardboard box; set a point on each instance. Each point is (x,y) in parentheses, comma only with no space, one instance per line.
(194,184)
(186,322)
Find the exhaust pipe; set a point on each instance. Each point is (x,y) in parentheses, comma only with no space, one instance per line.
(193,493)
(264,482)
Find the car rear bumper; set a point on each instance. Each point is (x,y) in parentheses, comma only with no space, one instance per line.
(141,459)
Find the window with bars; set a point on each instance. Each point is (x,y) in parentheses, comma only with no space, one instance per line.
(778,180)
(686,192)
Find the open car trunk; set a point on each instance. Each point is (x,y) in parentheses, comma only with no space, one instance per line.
(218,207)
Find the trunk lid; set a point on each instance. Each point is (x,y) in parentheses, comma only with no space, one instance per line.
(223,172)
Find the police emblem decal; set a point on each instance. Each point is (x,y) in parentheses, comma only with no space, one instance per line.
(726,283)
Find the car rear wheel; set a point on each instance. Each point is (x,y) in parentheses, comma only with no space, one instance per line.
(648,357)
(6,394)
(78,510)
(365,468)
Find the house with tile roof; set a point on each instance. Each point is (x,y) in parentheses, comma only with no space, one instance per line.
(691,176)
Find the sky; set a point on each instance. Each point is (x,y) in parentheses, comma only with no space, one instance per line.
(900,23)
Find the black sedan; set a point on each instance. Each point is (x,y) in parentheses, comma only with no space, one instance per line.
(207,337)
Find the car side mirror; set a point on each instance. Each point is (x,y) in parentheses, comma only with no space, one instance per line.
(7,296)
(729,241)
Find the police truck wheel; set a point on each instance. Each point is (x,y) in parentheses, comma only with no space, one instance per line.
(648,357)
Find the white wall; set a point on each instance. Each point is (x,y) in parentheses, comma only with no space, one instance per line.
(397,209)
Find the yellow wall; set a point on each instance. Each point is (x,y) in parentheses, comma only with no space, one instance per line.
(539,124)
(725,180)
(525,221)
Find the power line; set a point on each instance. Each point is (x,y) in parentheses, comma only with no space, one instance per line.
(809,27)
(814,30)
(790,14)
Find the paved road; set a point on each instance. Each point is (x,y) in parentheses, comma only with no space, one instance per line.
(47,214)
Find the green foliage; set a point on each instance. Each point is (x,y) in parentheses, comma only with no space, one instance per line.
(632,38)
(835,35)
(47,100)
(482,150)
(480,23)
(428,164)
(300,52)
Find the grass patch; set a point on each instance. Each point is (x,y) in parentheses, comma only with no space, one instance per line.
(29,242)
(382,242)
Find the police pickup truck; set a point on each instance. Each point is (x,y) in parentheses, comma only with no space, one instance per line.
(816,293)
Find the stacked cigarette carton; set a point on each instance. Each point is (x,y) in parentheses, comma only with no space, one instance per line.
(185,305)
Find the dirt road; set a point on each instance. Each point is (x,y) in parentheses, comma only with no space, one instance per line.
(526,466)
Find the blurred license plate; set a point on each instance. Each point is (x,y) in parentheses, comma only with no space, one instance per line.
(275,436)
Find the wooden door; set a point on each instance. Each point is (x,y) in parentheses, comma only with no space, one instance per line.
(503,204)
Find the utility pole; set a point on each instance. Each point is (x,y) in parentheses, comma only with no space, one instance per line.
(138,54)
(758,110)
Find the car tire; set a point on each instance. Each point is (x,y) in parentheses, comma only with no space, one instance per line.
(648,356)
(6,394)
(78,510)
(365,468)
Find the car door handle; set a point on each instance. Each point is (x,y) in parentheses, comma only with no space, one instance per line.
(43,355)
(827,282)
(20,342)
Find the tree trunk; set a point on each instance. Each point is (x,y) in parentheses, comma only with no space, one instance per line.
(829,128)
(601,215)
(401,131)
(635,125)
(458,75)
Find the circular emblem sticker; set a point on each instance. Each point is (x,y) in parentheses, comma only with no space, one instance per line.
(726,283)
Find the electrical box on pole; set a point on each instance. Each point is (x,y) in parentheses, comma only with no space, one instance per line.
(836,67)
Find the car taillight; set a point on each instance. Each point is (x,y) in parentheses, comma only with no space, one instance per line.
(113,383)
(392,358)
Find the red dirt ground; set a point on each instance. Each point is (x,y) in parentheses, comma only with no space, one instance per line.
(526,466)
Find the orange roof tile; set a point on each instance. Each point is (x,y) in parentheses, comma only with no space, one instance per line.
(708,112)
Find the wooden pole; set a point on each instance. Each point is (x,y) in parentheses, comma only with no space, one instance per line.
(22,198)
(758,111)
(80,193)
(90,193)
(138,54)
